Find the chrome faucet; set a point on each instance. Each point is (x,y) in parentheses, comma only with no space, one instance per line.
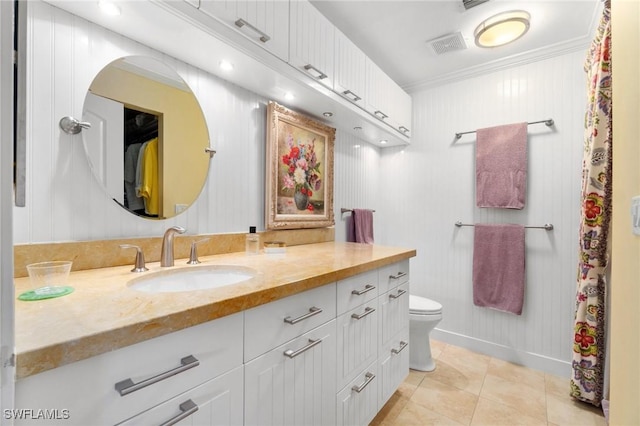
(166,256)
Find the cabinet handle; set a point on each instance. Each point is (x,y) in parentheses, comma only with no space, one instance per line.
(187,408)
(403,129)
(263,37)
(402,346)
(366,312)
(368,378)
(127,386)
(292,354)
(366,289)
(320,76)
(395,296)
(312,311)
(381,115)
(356,98)
(398,275)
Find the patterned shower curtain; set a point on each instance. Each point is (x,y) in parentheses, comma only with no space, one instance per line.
(589,331)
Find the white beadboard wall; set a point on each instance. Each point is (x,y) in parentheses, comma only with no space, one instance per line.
(430,185)
(65,202)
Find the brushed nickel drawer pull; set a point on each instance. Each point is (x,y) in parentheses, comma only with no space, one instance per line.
(403,129)
(263,37)
(400,293)
(368,378)
(125,387)
(381,115)
(398,275)
(366,289)
(366,312)
(403,345)
(355,98)
(292,354)
(312,311)
(187,408)
(320,76)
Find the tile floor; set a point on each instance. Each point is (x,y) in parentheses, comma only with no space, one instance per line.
(467,388)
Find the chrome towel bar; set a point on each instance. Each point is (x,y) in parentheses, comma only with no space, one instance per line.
(546,226)
(549,122)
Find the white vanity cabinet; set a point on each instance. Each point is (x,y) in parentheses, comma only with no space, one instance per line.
(393,353)
(216,402)
(116,386)
(290,358)
(265,22)
(311,42)
(349,69)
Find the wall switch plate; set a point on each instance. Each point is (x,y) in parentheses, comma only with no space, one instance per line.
(635,214)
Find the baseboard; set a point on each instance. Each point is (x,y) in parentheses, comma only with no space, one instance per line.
(527,359)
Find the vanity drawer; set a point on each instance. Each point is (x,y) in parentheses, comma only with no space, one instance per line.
(357,402)
(394,313)
(393,275)
(273,324)
(357,290)
(216,345)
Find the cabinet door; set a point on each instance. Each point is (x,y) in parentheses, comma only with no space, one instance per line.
(394,312)
(294,384)
(216,402)
(311,42)
(394,366)
(265,22)
(357,403)
(357,341)
(349,69)
(378,94)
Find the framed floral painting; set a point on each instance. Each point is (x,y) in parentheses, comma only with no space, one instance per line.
(299,192)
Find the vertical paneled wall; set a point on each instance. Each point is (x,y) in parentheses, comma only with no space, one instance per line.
(435,180)
(65,202)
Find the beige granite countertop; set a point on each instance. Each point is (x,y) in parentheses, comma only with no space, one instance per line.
(104,314)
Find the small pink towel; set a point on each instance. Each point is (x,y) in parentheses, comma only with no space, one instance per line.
(501,166)
(498,267)
(360,226)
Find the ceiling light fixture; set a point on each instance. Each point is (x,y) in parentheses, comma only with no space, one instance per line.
(328,114)
(108,8)
(289,96)
(502,28)
(226,65)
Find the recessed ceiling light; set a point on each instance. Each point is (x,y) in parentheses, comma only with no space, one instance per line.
(226,65)
(327,114)
(502,28)
(289,96)
(108,8)
(383,141)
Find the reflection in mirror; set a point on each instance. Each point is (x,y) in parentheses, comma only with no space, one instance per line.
(148,137)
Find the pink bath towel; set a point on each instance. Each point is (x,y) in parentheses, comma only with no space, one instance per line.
(498,267)
(501,166)
(360,226)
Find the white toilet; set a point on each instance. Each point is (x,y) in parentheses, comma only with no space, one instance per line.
(424,315)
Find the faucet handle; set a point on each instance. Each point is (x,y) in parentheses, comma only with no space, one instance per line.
(139,266)
(193,257)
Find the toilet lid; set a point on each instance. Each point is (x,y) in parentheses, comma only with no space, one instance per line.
(422,305)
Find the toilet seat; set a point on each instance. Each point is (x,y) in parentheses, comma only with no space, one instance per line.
(423,306)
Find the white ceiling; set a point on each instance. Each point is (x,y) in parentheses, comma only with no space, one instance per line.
(394,34)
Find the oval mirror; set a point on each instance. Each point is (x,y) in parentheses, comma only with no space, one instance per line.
(148,135)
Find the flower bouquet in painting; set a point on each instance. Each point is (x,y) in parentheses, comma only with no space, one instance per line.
(301,172)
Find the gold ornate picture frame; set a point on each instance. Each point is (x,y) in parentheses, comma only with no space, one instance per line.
(299,171)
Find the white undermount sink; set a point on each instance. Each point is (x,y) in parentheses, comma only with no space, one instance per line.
(203,277)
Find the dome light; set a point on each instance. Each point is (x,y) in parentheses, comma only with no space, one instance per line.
(502,28)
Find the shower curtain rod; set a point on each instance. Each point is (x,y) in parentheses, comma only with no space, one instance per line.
(546,226)
(548,123)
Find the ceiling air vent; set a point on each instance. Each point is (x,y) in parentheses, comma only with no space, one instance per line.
(448,43)
(468,4)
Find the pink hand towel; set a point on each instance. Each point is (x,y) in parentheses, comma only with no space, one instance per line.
(501,166)
(360,226)
(498,267)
